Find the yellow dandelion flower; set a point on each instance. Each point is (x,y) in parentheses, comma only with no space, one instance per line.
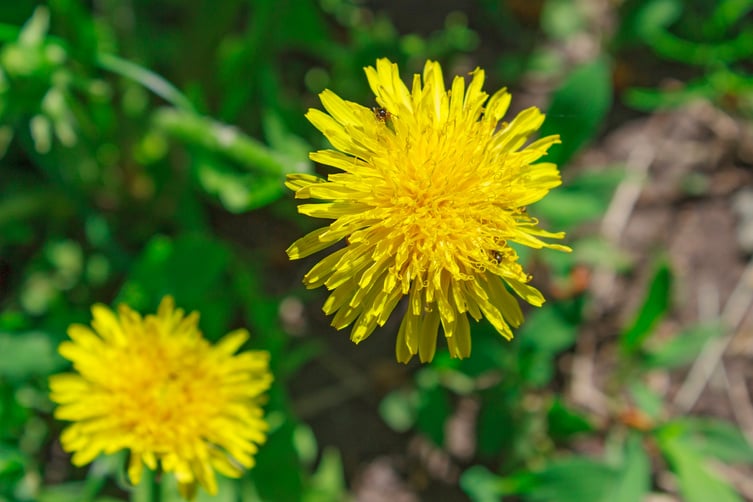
(433,190)
(156,387)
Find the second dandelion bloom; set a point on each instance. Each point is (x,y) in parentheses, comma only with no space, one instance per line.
(432,191)
(153,385)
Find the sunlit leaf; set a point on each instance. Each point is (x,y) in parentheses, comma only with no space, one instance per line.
(328,482)
(399,409)
(634,479)
(599,252)
(546,330)
(582,198)
(696,481)
(573,479)
(237,191)
(35,29)
(648,401)
(561,19)
(544,334)
(305,443)
(483,486)
(564,208)
(714,438)
(682,348)
(653,99)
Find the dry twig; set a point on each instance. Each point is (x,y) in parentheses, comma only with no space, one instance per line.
(734,312)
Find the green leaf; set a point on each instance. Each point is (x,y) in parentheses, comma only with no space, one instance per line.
(573,479)
(547,331)
(262,312)
(192,268)
(433,411)
(652,99)
(237,191)
(634,480)
(537,368)
(728,51)
(582,198)
(293,151)
(696,482)
(65,492)
(481,485)
(655,305)
(500,422)
(578,107)
(682,348)
(598,252)
(564,423)
(564,208)
(277,474)
(33,354)
(726,14)
(12,465)
(488,354)
(649,17)
(328,482)
(562,19)
(241,171)
(545,334)
(399,409)
(305,444)
(717,439)
(35,29)
(569,479)
(648,401)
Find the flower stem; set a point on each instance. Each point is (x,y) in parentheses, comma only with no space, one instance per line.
(155,83)
(219,138)
(148,489)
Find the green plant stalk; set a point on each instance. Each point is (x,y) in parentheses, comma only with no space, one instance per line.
(220,139)
(148,489)
(147,78)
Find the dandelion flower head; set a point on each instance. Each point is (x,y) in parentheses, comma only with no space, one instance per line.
(153,385)
(432,190)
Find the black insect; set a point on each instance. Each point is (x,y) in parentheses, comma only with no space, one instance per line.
(381,114)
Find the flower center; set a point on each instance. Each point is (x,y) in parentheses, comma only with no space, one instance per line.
(164,393)
(438,210)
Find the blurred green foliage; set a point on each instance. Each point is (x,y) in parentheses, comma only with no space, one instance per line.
(143,149)
(713,39)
